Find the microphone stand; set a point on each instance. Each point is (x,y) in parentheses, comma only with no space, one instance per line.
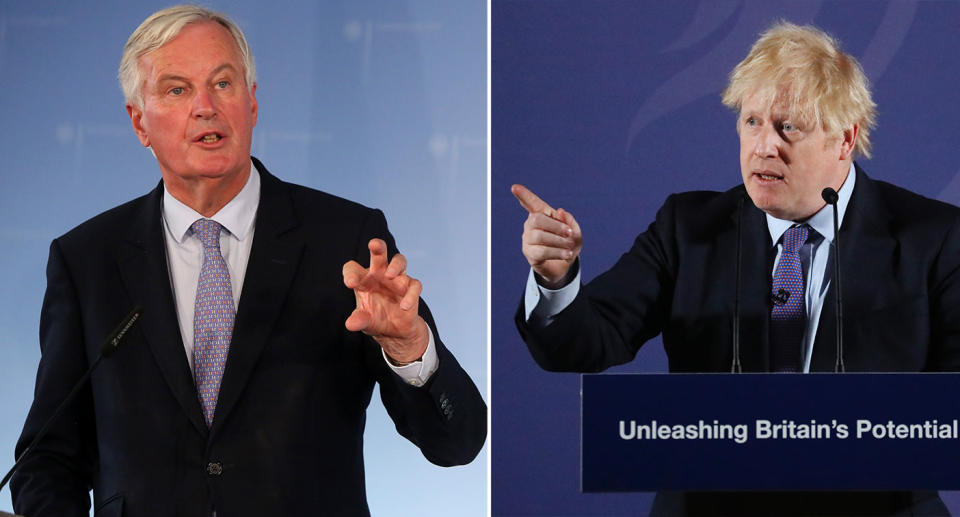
(831,197)
(109,346)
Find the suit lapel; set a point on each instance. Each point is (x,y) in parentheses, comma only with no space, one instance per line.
(141,258)
(755,290)
(866,247)
(274,258)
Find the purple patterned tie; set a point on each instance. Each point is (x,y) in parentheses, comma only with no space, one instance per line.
(789,314)
(212,317)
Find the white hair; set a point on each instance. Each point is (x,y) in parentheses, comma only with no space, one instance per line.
(161,27)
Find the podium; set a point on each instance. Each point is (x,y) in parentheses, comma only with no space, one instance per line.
(852,431)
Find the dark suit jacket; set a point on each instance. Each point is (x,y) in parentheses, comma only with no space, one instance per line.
(287,436)
(900,267)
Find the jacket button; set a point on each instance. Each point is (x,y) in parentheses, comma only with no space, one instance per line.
(214,468)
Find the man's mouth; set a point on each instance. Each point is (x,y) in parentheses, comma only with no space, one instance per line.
(210,138)
(768,176)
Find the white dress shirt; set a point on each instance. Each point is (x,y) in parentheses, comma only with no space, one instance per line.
(185,257)
(541,305)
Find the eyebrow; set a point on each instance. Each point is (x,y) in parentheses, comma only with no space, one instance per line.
(175,77)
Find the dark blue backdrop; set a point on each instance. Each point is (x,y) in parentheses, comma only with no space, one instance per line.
(605,108)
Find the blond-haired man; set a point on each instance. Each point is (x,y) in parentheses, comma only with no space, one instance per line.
(804,112)
(243,391)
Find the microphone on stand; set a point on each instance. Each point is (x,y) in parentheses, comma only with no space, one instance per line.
(831,197)
(107,349)
(735,364)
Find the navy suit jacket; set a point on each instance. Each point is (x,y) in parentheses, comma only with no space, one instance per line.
(287,436)
(900,267)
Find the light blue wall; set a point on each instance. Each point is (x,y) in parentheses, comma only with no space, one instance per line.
(382,102)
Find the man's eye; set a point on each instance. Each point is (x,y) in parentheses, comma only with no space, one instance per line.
(176,91)
(788,127)
(751,122)
(223,84)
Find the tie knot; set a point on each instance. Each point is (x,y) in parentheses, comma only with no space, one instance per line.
(795,237)
(208,231)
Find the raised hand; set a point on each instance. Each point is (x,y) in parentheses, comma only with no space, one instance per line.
(387,301)
(551,238)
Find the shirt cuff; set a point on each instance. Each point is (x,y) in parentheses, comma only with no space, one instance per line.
(541,305)
(418,373)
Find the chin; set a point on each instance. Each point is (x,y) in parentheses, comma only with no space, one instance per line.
(770,206)
(217,168)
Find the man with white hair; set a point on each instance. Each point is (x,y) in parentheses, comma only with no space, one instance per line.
(243,389)
(804,112)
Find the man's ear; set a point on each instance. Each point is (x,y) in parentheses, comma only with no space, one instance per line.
(253,102)
(136,119)
(848,140)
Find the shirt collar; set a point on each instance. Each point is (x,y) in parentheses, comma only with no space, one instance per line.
(822,221)
(236,216)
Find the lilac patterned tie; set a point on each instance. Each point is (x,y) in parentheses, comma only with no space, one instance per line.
(212,317)
(789,314)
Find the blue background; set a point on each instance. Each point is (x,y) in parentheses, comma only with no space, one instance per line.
(382,102)
(605,108)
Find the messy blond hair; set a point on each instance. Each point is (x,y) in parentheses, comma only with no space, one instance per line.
(161,27)
(804,67)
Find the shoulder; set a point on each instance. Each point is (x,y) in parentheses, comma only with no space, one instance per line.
(705,203)
(312,204)
(905,205)
(339,226)
(308,204)
(703,212)
(116,222)
(898,211)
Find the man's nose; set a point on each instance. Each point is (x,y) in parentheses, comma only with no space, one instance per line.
(203,105)
(768,142)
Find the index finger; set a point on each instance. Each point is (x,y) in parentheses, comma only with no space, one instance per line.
(378,255)
(530,201)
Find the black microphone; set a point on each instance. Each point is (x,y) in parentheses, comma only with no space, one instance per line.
(108,347)
(830,196)
(735,365)
(781,297)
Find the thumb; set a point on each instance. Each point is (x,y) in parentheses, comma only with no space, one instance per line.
(358,321)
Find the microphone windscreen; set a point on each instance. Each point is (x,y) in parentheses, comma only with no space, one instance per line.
(829,195)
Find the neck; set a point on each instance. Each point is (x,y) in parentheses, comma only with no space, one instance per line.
(206,195)
(842,174)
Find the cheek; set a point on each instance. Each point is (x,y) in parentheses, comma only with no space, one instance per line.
(152,121)
(746,151)
(161,127)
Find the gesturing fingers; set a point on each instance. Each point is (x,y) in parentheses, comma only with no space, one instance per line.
(398,265)
(412,297)
(358,321)
(530,201)
(567,218)
(378,255)
(551,240)
(547,224)
(390,278)
(537,255)
(387,300)
(353,274)
(546,238)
